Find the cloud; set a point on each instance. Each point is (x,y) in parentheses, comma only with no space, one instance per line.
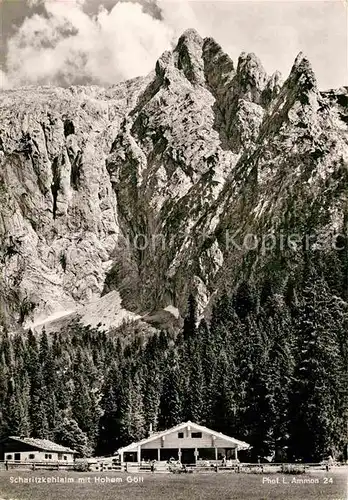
(67,45)
(64,42)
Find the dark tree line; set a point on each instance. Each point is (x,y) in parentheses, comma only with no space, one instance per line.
(266,368)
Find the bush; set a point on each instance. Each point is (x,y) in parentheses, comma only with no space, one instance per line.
(81,466)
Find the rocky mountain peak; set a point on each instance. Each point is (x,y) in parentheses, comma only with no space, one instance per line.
(218,66)
(272,89)
(251,77)
(302,78)
(196,146)
(190,38)
(302,66)
(188,53)
(298,99)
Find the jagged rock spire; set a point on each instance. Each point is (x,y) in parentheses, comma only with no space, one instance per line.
(219,67)
(251,75)
(189,56)
(302,73)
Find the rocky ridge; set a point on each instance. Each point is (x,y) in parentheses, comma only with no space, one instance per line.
(134,188)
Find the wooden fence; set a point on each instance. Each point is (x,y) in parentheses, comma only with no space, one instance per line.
(133,467)
(10,465)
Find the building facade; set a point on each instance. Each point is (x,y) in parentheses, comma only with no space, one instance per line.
(21,449)
(187,442)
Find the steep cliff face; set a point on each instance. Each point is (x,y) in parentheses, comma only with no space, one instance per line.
(211,151)
(59,220)
(138,188)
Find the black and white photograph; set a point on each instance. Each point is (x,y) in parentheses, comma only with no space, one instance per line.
(173,250)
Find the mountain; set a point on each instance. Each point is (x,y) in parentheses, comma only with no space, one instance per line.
(181,242)
(167,185)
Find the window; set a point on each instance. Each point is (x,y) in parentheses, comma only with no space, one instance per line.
(17,456)
(65,457)
(31,456)
(196,434)
(180,435)
(48,456)
(8,457)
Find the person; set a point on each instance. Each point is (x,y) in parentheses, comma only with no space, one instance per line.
(329,463)
(224,461)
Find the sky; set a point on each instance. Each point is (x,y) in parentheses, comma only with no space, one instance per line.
(64,42)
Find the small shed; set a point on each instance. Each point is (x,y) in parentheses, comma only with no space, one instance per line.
(25,449)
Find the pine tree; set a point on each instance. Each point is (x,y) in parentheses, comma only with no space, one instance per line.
(38,409)
(138,425)
(44,347)
(152,384)
(16,414)
(196,388)
(110,420)
(278,374)
(316,391)
(171,397)
(244,300)
(222,396)
(190,320)
(69,434)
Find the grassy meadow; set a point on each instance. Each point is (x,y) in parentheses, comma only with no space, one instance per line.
(210,486)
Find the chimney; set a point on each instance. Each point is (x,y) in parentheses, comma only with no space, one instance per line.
(150,430)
